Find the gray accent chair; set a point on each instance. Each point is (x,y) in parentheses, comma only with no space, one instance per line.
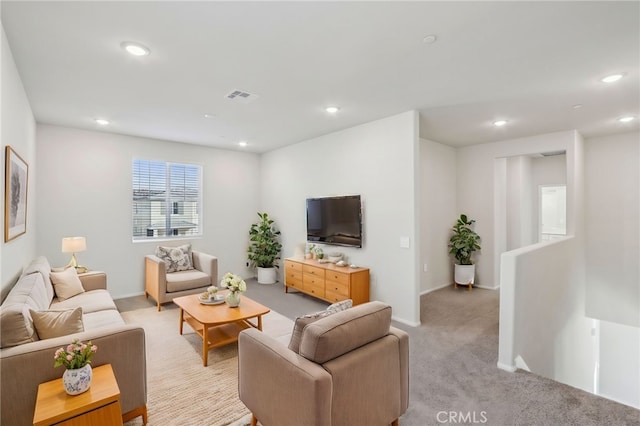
(352,369)
(163,287)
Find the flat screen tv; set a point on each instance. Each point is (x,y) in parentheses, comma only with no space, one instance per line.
(335,220)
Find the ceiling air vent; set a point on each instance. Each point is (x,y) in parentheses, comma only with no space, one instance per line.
(553,153)
(241,96)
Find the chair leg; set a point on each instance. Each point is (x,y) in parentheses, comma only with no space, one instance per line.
(159,307)
(254,420)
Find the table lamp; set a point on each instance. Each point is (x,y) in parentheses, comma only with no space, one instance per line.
(74,245)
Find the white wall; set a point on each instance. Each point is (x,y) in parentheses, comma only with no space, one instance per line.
(524,175)
(519,202)
(545,171)
(542,324)
(438,213)
(613,234)
(377,160)
(613,260)
(545,324)
(84,188)
(480,185)
(619,362)
(17,130)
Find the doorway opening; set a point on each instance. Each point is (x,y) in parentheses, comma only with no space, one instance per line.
(552,214)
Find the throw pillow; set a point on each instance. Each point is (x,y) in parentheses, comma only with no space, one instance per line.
(176,258)
(340,306)
(50,324)
(66,283)
(303,321)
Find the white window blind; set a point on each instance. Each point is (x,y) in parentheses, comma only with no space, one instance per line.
(167,200)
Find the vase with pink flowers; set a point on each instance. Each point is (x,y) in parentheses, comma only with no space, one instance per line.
(76,358)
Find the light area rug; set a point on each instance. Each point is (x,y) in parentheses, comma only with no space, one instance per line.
(180,390)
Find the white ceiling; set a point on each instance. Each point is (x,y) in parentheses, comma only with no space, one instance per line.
(526,62)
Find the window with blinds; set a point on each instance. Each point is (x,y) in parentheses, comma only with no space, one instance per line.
(167,200)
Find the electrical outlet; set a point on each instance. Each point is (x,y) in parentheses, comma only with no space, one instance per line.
(424,268)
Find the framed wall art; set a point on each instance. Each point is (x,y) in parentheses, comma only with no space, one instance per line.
(16,180)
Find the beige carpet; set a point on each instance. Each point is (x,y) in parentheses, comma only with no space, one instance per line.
(181,391)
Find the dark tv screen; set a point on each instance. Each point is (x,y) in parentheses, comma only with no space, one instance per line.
(335,220)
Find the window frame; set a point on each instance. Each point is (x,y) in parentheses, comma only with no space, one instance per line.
(168,234)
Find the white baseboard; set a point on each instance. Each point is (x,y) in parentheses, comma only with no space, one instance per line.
(124,296)
(404,321)
(486,287)
(450,284)
(505,367)
(435,288)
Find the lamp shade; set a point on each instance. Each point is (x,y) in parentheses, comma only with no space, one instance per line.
(74,244)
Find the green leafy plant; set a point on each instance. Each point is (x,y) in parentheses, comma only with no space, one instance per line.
(264,245)
(464,240)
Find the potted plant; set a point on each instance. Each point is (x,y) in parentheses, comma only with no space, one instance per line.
(264,249)
(462,244)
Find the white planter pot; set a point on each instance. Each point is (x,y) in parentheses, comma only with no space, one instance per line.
(464,274)
(266,275)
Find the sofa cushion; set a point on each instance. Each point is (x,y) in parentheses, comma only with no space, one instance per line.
(303,321)
(41,265)
(66,283)
(342,332)
(176,258)
(101,319)
(91,301)
(16,325)
(50,324)
(187,280)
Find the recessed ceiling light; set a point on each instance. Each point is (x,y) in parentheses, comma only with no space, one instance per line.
(243,143)
(577,106)
(626,119)
(499,123)
(136,49)
(332,109)
(611,78)
(209,115)
(101,121)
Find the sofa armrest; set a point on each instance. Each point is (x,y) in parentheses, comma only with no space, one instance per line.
(25,366)
(403,345)
(155,277)
(276,383)
(207,264)
(93,280)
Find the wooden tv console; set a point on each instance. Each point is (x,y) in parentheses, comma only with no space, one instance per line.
(327,281)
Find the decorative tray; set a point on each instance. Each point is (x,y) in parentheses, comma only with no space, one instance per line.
(218,300)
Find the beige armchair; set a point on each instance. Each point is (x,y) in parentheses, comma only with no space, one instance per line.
(352,369)
(164,287)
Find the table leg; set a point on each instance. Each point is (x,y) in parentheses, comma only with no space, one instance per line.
(181,319)
(205,345)
(260,322)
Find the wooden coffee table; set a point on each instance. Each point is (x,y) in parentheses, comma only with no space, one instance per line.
(218,325)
